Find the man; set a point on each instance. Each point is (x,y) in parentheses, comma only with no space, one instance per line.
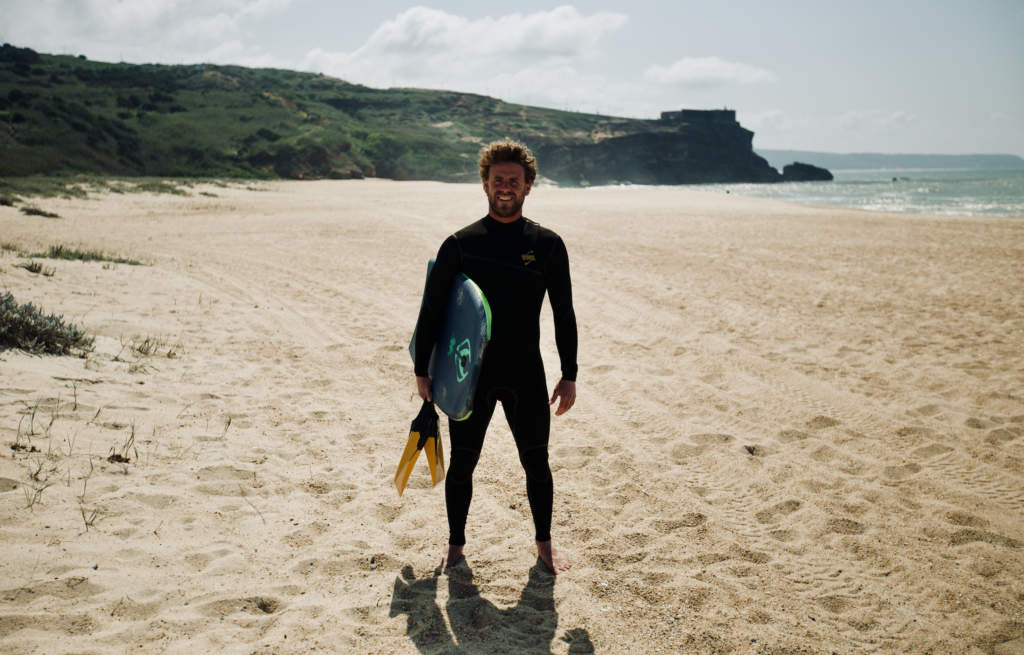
(514,261)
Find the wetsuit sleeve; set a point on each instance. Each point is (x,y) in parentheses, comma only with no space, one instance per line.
(439,284)
(560,294)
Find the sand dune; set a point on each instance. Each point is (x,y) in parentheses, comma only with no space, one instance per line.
(799,430)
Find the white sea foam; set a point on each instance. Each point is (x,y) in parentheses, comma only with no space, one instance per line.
(942,192)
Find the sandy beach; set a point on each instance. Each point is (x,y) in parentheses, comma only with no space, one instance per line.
(799,429)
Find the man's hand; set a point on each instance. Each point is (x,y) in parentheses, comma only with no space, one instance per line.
(565,389)
(423,388)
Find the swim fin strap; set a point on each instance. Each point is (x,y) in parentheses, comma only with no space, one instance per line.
(423,435)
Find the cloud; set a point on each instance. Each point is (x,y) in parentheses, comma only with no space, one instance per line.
(424,46)
(768,121)
(998,117)
(708,71)
(874,120)
(145,30)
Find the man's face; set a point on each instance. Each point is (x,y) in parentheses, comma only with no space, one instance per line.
(506,189)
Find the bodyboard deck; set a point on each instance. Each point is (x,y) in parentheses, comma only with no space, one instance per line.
(457,357)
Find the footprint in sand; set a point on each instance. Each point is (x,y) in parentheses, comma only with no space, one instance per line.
(713,379)
(824,454)
(258,605)
(156,501)
(306,535)
(901,472)
(1002,435)
(822,422)
(712,438)
(835,604)
(685,521)
(966,520)
(932,450)
(844,526)
(696,598)
(735,553)
(775,512)
(65,589)
(660,372)
(129,610)
(584,534)
(223,473)
(911,431)
(683,451)
(787,436)
(928,410)
(316,487)
(969,536)
(572,463)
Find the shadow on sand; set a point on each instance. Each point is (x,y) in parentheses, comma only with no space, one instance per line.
(477,625)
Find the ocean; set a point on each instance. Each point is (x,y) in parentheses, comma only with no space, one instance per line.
(943,192)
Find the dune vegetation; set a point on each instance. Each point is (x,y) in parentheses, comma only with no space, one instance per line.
(66,115)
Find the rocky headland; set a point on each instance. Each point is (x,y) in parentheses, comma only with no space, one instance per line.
(667,151)
(68,115)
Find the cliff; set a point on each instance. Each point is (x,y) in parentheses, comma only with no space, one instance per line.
(653,152)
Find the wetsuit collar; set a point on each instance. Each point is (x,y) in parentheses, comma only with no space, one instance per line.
(497,227)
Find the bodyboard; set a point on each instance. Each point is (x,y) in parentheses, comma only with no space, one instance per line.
(458,355)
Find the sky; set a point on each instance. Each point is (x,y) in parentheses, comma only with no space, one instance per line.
(893,76)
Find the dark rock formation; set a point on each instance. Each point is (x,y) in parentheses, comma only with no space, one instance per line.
(797,172)
(653,152)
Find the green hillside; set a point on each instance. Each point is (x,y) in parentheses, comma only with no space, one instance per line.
(67,115)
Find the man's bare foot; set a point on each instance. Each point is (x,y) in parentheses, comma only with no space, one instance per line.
(554,560)
(450,556)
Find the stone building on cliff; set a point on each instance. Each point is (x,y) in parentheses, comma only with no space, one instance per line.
(725,116)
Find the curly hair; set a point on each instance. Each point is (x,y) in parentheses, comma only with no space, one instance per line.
(498,152)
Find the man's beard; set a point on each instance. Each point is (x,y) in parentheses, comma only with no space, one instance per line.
(513,209)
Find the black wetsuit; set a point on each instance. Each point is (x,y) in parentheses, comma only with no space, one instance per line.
(514,264)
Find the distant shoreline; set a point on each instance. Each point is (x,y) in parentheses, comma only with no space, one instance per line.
(870,161)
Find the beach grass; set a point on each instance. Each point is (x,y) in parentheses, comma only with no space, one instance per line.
(84,255)
(29,328)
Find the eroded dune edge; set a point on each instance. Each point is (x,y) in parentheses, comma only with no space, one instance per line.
(799,430)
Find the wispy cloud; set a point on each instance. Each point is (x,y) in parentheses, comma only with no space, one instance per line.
(707,72)
(145,30)
(874,120)
(424,46)
(774,120)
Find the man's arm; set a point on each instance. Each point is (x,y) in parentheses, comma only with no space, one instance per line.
(424,387)
(567,390)
(559,285)
(435,297)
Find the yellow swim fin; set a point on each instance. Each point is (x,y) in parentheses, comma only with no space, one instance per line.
(435,456)
(423,434)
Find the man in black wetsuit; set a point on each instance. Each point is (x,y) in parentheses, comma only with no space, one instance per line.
(514,261)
